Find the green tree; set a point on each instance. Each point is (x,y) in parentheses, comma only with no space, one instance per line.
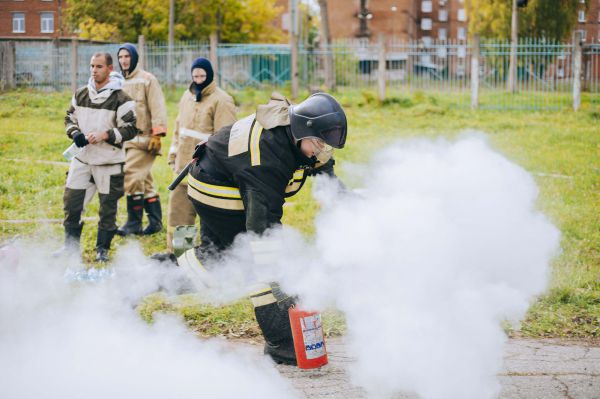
(550,19)
(239,21)
(91,29)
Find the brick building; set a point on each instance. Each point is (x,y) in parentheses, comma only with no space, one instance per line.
(399,19)
(31,19)
(588,20)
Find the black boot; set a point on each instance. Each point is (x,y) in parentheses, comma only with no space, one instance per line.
(165,257)
(72,240)
(135,212)
(154,212)
(103,241)
(274,322)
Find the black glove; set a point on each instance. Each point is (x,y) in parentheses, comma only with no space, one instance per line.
(199,150)
(80,140)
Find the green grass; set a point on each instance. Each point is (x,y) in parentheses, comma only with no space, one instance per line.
(561,148)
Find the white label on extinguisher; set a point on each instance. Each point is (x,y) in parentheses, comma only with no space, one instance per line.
(312,333)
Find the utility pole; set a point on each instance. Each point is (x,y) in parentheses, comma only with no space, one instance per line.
(294,46)
(171,40)
(326,47)
(514,38)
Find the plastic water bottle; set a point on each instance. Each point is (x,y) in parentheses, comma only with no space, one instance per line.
(90,275)
(71,152)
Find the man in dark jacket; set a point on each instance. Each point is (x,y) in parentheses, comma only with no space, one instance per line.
(240,179)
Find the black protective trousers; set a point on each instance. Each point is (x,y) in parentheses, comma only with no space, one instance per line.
(74,203)
(218,230)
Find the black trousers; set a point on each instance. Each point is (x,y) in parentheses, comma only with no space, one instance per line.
(73,203)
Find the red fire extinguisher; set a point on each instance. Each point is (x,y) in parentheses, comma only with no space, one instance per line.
(309,343)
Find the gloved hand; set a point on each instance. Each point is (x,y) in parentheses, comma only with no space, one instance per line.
(80,140)
(154,145)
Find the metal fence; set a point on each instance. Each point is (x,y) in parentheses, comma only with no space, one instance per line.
(442,69)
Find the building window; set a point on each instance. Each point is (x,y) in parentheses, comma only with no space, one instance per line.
(426,6)
(462,15)
(581,16)
(443,15)
(47,22)
(426,24)
(426,41)
(18,19)
(582,33)
(461,33)
(442,33)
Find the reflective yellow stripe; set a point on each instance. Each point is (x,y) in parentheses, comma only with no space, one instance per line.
(262,300)
(255,144)
(222,203)
(296,182)
(189,259)
(261,291)
(212,189)
(298,174)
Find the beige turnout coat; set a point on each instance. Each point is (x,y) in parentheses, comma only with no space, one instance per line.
(197,120)
(150,107)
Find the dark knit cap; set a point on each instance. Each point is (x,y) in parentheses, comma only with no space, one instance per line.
(206,65)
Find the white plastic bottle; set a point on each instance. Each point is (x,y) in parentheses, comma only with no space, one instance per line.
(71,152)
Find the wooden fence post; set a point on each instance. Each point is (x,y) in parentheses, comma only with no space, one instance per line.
(214,55)
(141,47)
(577,55)
(7,66)
(74,65)
(475,72)
(55,73)
(381,68)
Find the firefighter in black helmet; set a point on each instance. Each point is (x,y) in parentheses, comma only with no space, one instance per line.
(239,181)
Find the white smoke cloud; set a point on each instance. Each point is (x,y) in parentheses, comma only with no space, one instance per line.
(65,339)
(443,244)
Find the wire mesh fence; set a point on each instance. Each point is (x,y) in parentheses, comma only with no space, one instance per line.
(545,72)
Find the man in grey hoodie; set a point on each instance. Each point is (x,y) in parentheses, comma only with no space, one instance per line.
(100,119)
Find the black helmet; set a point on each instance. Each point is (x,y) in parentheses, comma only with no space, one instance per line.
(320,116)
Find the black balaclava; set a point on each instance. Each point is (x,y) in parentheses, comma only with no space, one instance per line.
(134,57)
(197,88)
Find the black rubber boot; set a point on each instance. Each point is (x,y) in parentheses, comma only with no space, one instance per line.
(274,322)
(72,240)
(165,257)
(154,212)
(135,212)
(103,241)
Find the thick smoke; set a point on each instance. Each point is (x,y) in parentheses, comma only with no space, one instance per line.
(441,246)
(61,338)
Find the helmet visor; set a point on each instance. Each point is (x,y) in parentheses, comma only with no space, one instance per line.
(335,137)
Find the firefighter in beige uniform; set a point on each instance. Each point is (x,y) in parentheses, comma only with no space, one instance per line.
(203,109)
(151,112)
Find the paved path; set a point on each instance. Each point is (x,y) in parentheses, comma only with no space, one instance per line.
(533,369)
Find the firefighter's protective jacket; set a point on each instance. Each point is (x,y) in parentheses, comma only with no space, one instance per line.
(250,168)
(197,120)
(150,106)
